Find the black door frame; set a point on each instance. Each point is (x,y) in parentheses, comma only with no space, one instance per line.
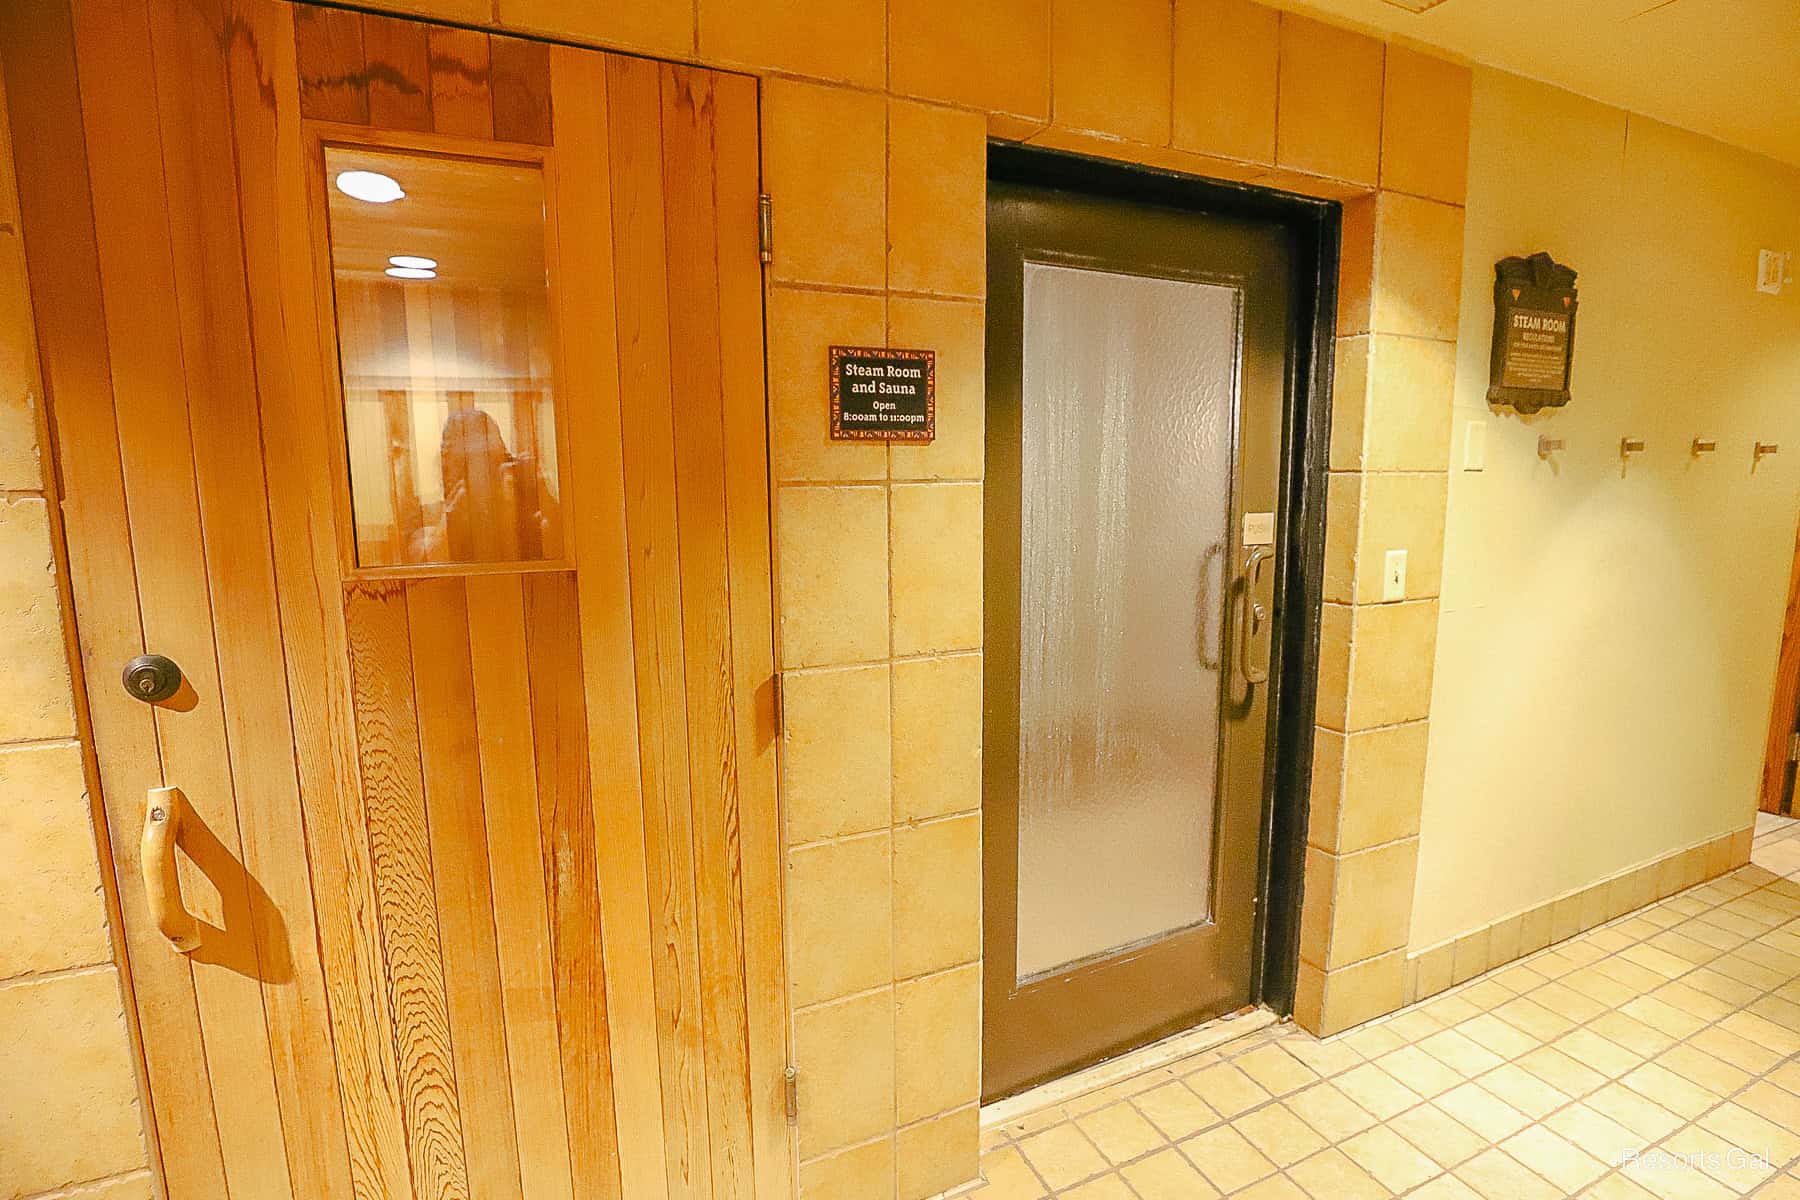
(1316,226)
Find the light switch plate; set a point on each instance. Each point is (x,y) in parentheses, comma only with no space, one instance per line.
(1475,446)
(1393,576)
(1772,270)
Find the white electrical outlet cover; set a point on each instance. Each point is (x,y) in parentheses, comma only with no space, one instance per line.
(1393,576)
(1475,446)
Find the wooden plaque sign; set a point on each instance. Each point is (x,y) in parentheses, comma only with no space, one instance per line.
(1534,333)
(879,394)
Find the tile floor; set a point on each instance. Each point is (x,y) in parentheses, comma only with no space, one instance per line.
(1657,1056)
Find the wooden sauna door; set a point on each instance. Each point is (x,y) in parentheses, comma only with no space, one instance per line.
(467,572)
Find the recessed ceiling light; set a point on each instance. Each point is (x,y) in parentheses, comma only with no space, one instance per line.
(416,261)
(411,273)
(370,186)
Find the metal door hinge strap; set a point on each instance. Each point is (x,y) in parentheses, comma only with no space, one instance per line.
(765,227)
(790,1079)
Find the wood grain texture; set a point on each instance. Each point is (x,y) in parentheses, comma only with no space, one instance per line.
(50,145)
(461,100)
(287,328)
(520,74)
(449,749)
(329,44)
(690,222)
(387,736)
(397,68)
(566,815)
(1784,711)
(654,547)
(509,786)
(736,187)
(579,85)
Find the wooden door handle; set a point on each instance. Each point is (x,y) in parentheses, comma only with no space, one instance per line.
(164,808)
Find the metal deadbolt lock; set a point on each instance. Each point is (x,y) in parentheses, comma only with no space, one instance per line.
(152,678)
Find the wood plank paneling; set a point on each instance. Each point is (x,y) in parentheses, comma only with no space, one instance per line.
(332,84)
(690,231)
(736,187)
(275,185)
(584,249)
(509,786)
(397,66)
(387,738)
(566,814)
(654,546)
(461,99)
(449,748)
(521,86)
(53,152)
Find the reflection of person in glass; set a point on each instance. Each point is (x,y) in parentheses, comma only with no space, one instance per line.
(496,507)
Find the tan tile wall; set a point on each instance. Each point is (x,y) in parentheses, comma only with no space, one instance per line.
(1431,970)
(69,1113)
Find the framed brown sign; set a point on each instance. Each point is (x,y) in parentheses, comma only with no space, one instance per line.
(882,394)
(1534,333)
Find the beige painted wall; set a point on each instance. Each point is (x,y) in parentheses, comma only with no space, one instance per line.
(1606,647)
(69,1115)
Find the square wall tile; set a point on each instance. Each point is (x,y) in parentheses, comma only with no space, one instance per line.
(1356,267)
(803,326)
(1330,115)
(1471,956)
(836,760)
(865,1170)
(832,563)
(957,330)
(1392,662)
(1343,530)
(1110,67)
(1349,401)
(844,1053)
(1401,512)
(1327,793)
(50,873)
(1318,900)
(937,567)
(937,1036)
(1362,992)
(937,736)
(1384,786)
(71,1109)
(1437,967)
(825,167)
(940,1154)
(20,468)
(948,50)
(937,895)
(937,200)
(1407,412)
(842,40)
(1333,702)
(1418,267)
(35,668)
(1425,126)
(1226,59)
(840,902)
(1372,906)
(1309,997)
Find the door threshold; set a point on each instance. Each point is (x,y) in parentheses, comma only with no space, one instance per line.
(1208,1036)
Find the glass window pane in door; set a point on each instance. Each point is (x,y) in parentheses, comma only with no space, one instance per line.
(1129,386)
(442,295)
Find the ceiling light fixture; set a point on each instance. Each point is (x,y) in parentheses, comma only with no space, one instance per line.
(370,186)
(1417,6)
(417,262)
(411,273)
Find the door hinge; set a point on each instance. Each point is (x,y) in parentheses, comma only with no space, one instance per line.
(1794,747)
(765,227)
(790,1082)
(777,703)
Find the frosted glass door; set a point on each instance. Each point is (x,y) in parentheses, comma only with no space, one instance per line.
(1126,453)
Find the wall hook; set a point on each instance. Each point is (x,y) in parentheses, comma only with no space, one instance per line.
(1705,446)
(1629,446)
(1548,445)
(1763,448)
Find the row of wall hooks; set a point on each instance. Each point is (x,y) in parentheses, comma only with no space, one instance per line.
(1629,446)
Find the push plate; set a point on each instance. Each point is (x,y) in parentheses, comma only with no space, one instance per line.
(1259,529)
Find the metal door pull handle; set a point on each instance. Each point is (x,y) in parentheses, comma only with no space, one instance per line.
(164,808)
(1253,616)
